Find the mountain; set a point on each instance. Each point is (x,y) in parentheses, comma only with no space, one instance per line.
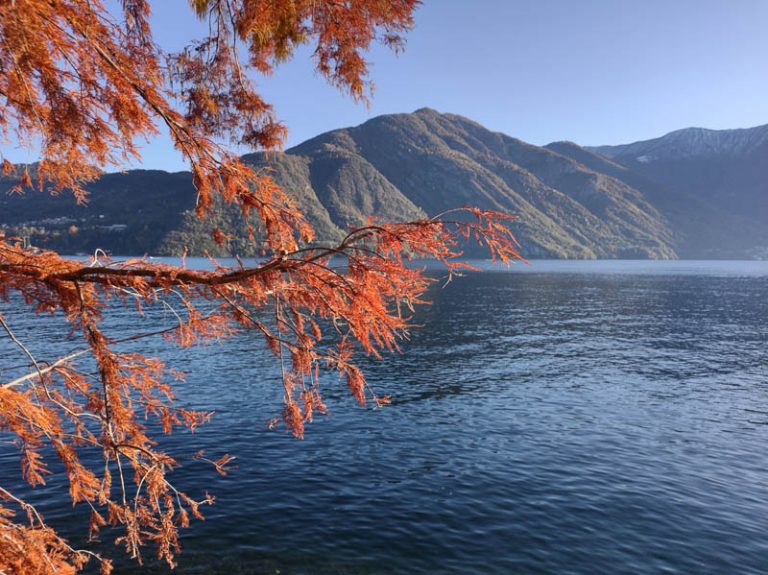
(725,171)
(571,201)
(689,143)
(127,213)
(726,168)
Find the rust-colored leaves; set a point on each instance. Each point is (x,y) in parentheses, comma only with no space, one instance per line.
(87,85)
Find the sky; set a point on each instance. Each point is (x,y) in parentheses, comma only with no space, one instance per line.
(590,71)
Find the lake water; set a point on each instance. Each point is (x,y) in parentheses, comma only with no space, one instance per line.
(564,417)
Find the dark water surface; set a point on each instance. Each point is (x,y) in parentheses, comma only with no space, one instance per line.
(579,417)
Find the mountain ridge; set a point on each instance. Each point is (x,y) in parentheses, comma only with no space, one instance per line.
(571,201)
(688,142)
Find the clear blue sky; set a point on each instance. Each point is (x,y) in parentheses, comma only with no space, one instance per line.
(591,71)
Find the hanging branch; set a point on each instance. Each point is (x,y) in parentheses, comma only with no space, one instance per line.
(88,84)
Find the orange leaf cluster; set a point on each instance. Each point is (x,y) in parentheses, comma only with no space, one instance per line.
(86,84)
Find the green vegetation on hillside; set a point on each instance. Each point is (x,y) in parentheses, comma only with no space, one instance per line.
(571,202)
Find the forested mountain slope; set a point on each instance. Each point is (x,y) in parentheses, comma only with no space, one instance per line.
(697,196)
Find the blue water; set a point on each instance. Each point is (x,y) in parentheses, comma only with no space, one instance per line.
(564,417)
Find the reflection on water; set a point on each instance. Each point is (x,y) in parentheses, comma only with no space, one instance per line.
(577,417)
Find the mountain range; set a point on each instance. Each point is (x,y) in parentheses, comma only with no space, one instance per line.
(693,193)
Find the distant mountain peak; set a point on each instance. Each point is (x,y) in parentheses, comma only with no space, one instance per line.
(690,143)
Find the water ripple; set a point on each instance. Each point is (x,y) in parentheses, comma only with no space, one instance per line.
(587,418)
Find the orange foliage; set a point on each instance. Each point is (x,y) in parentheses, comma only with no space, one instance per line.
(86,84)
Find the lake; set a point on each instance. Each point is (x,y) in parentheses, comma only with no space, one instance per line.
(562,417)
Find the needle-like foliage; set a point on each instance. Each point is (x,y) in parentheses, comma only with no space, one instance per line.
(84,84)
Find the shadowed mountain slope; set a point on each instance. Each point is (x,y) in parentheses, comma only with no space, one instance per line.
(712,183)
